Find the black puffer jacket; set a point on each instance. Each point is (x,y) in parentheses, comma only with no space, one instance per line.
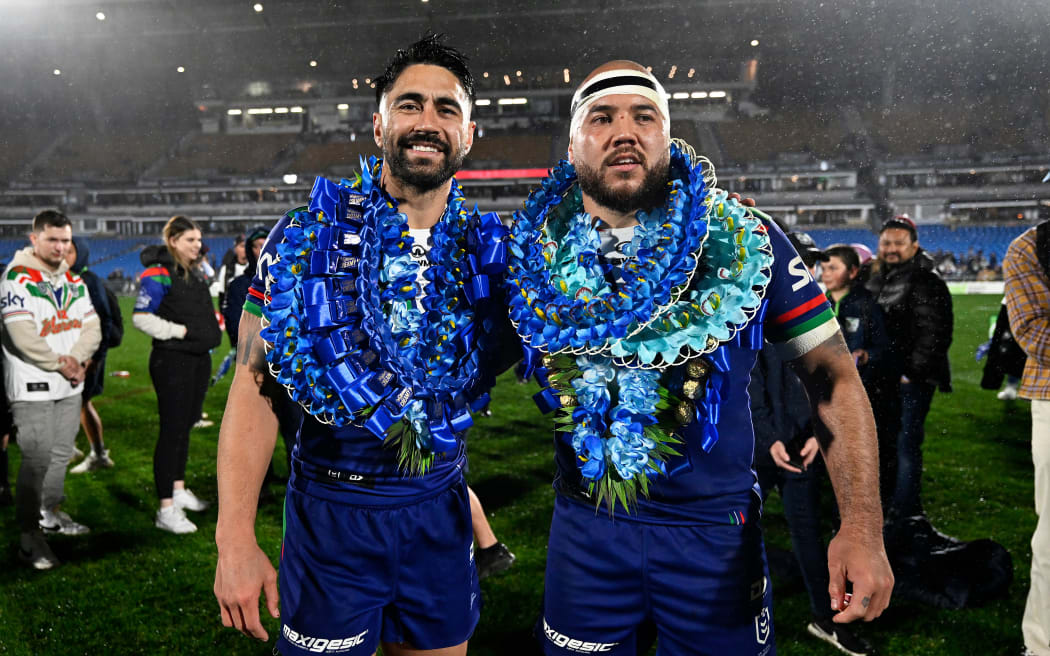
(188,302)
(918,312)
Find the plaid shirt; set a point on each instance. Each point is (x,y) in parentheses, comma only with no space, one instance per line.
(1028,304)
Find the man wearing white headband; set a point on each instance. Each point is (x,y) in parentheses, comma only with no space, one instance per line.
(620,173)
(634,217)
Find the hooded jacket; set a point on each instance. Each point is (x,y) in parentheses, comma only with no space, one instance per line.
(918,309)
(46,314)
(107,316)
(173,307)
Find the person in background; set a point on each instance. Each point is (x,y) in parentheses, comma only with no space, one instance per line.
(112,332)
(1006,359)
(175,308)
(918,310)
(1026,270)
(50,332)
(860,317)
(289,414)
(233,266)
(491,556)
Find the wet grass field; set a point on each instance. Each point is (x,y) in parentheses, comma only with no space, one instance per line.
(128,588)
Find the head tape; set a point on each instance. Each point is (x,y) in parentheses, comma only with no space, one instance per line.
(618,81)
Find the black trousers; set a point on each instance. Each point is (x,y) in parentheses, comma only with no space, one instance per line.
(181,380)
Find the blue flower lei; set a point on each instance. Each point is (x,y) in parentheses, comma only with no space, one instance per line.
(355,341)
(697,276)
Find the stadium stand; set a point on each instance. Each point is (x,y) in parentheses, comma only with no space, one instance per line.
(685,130)
(19,147)
(927,128)
(765,138)
(320,159)
(510,151)
(103,157)
(226,154)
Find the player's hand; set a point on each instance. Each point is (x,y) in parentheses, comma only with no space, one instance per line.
(858,556)
(781,458)
(860,356)
(240,574)
(746,202)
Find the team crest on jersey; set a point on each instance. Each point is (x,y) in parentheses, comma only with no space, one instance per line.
(763,626)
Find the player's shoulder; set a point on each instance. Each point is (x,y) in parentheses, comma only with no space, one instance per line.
(156,272)
(21,273)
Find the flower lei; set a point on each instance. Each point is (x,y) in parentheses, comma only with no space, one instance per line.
(696,276)
(352,341)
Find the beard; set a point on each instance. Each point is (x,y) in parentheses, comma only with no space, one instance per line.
(396,157)
(652,192)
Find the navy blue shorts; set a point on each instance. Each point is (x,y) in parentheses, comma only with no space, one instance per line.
(706,588)
(353,575)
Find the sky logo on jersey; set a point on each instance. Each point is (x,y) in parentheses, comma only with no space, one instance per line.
(578,646)
(11,300)
(321,645)
(798,270)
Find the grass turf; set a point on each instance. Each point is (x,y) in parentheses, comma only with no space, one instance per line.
(128,588)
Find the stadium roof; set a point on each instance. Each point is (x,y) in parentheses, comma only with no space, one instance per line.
(111,52)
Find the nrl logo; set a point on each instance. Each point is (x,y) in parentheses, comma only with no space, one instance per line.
(763,625)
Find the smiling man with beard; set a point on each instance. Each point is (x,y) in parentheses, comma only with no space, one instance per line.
(646,360)
(384,355)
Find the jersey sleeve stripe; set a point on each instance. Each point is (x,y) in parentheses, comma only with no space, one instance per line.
(806,326)
(799,345)
(800,310)
(252,308)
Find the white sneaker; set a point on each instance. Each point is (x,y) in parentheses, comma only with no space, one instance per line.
(188,500)
(57,521)
(203,423)
(77,454)
(93,462)
(1008,393)
(34,551)
(173,520)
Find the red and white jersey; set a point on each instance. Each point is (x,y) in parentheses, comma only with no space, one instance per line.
(58,305)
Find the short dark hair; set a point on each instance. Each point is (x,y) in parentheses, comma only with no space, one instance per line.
(50,218)
(428,50)
(901,222)
(846,253)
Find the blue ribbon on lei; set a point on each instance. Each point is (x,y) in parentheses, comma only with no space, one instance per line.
(350,343)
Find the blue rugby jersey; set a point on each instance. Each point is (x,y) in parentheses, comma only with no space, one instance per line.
(719,487)
(336,461)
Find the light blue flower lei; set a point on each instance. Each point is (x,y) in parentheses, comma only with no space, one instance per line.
(698,276)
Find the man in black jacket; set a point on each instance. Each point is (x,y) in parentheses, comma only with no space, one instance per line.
(918,312)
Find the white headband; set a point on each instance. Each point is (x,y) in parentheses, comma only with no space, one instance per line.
(622,80)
